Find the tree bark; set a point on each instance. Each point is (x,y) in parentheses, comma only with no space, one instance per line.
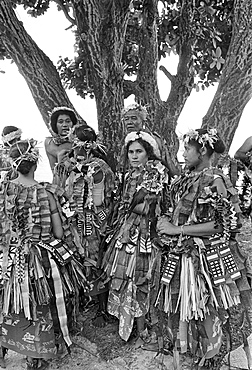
(101,28)
(235,86)
(163,115)
(37,69)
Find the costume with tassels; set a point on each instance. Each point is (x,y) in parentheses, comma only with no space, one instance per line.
(38,273)
(131,252)
(202,277)
(89,185)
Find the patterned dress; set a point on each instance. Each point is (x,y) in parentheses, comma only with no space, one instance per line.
(202,277)
(37,272)
(131,249)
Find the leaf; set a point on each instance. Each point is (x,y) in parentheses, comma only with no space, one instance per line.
(218,52)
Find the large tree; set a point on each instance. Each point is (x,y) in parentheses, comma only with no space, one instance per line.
(235,86)
(117,39)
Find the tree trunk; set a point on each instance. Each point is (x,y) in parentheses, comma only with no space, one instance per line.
(101,27)
(37,69)
(163,116)
(235,86)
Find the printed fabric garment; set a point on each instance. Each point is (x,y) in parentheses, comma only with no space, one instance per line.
(37,272)
(202,277)
(90,187)
(131,250)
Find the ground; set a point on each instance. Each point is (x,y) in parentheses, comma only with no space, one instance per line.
(102,349)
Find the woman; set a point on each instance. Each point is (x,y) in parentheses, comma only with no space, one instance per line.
(203,272)
(131,251)
(89,184)
(33,287)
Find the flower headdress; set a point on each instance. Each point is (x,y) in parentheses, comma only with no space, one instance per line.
(135,135)
(87,145)
(210,137)
(136,107)
(6,139)
(31,154)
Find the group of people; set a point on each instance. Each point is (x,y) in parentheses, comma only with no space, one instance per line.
(154,245)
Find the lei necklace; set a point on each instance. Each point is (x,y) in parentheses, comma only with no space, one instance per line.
(58,139)
(154,177)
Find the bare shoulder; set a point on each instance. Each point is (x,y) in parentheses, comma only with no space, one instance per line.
(247,145)
(48,142)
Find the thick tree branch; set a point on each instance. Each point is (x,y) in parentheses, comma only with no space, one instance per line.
(37,69)
(65,11)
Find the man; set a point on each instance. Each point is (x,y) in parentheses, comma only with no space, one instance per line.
(134,118)
(62,119)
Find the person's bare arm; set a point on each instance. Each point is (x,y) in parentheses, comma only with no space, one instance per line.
(51,157)
(55,217)
(241,153)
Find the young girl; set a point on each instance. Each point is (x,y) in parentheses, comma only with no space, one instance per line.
(33,288)
(203,272)
(131,251)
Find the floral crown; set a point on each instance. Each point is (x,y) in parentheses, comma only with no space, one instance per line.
(210,137)
(135,135)
(136,107)
(6,139)
(31,154)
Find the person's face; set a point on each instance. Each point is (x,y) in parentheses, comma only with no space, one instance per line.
(191,156)
(133,121)
(137,155)
(64,124)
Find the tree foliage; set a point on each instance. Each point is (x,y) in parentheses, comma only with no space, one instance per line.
(118,46)
(211,26)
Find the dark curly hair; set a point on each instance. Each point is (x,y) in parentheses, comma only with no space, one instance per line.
(147,146)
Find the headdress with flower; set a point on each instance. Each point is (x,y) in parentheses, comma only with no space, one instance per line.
(7,139)
(136,107)
(31,154)
(135,135)
(88,144)
(210,137)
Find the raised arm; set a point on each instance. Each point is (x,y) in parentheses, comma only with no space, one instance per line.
(241,153)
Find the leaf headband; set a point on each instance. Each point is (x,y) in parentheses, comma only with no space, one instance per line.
(6,139)
(135,135)
(31,154)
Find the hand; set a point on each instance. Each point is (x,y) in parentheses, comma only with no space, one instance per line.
(166,227)
(62,156)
